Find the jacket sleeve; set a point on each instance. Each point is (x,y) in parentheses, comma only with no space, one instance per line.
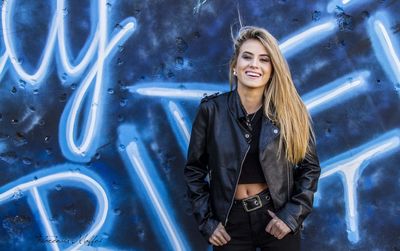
(306,175)
(195,173)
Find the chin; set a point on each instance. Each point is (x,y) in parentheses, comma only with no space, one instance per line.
(255,85)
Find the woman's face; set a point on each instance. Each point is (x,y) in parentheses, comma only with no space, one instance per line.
(253,67)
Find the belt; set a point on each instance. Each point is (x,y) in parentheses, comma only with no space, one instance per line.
(255,202)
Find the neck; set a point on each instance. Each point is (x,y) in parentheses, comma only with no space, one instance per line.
(251,98)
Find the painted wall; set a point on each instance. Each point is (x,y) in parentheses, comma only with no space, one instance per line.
(97,100)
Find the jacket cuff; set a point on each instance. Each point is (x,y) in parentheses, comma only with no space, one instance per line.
(289,220)
(208,228)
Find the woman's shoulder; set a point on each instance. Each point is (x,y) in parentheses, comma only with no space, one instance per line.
(213,103)
(215,98)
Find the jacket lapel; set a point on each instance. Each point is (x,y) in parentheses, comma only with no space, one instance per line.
(268,133)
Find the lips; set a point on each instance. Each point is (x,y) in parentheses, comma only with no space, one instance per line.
(253,74)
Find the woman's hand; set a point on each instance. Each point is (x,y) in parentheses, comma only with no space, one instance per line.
(277,227)
(219,237)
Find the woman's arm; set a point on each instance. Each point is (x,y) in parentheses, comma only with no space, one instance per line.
(306,176)
(195,172)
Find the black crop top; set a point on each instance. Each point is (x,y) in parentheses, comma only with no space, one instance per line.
(251,169)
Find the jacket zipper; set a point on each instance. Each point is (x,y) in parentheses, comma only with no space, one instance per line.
(237,181)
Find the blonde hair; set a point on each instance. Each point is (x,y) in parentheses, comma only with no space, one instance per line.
(282,103)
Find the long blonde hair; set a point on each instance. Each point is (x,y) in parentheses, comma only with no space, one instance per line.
(282,103)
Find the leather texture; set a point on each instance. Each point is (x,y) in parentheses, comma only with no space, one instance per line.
(217,148)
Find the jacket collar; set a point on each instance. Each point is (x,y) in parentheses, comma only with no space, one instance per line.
(235,105)
(269,131)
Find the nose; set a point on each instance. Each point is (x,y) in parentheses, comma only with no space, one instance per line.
(254,63)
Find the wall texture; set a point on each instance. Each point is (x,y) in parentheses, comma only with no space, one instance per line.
(97,100)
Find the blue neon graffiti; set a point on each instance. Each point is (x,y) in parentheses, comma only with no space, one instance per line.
(60,175)
(318,100)
(68,123)
(177,116)
(334,5)
(384,44)
(350,165)
(84,114)
(307,37)
(142,171)
(337,91)
(75,148)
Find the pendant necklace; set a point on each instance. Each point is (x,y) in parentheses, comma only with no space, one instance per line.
(248,120)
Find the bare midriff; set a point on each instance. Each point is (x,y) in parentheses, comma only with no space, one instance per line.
(246,190)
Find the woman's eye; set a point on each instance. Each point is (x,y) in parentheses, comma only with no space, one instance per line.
(246,57)
(265,59)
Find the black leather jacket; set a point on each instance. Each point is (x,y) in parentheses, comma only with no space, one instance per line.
(218,147)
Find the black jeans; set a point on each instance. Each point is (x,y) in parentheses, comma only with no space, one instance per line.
(247,231)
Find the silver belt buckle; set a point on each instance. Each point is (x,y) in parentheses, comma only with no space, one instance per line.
(258,203)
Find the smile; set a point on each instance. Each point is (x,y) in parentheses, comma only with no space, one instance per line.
(253,74)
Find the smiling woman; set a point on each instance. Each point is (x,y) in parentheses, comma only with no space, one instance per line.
(257,145)
(253,68)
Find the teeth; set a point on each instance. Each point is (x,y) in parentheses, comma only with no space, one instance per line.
(252,74)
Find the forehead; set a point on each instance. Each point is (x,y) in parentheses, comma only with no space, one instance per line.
(254,46)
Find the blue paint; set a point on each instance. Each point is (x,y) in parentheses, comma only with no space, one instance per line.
(126,80)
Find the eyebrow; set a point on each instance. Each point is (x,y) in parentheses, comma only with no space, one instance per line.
(248,52)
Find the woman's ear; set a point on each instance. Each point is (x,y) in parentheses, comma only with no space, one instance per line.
(234,72)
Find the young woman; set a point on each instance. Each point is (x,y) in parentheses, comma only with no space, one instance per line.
(256,146)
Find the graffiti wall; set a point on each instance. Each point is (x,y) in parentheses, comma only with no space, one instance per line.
(97,100)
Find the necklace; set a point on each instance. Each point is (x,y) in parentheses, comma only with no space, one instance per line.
(252,117)
(254,114)
(249,120)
